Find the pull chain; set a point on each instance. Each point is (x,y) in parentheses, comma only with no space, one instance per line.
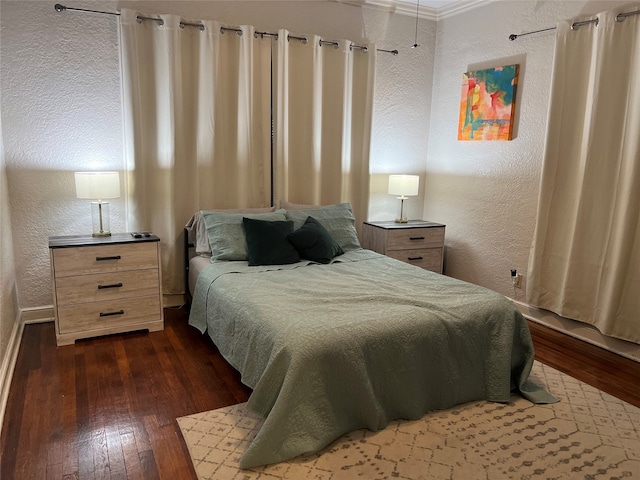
(415,41)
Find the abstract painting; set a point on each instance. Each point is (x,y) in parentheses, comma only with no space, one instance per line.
(487,103)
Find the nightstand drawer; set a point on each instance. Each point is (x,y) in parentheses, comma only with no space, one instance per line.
(429,259)
(107,314)
(106,286)
(412,238)
(104,258)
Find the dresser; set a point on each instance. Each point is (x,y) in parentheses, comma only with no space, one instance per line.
(105,285)
(416,242)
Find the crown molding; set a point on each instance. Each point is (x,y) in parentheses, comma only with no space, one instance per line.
(409,9)
(461,7)
(395,6)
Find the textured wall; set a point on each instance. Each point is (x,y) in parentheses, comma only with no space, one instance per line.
(400,137)
(60,114)
(487,192)
(8,299)
(61,106)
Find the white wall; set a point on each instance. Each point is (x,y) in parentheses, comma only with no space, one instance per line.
(61,106)
(400,137)
(487,192)
(60,113)
(8,297)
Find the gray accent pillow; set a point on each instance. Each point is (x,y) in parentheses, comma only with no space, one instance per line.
(226,235)
(337,219)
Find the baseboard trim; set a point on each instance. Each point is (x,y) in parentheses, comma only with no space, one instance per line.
(580,330)
(172,300)
(9,364)
(37,314)
(25,316)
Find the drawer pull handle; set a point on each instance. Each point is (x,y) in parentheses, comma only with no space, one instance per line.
(115,257)
(109,314)
(413,259)
(114,285)
(416,238)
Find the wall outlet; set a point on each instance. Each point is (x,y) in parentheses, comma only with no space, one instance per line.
(517,280)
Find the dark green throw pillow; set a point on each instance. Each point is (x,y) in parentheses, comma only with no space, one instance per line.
(267,242)
(314,242)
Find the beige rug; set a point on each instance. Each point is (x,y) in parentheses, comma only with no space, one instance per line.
(587,435)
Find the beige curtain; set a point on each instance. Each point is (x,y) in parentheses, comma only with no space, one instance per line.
(585,259)
(323,113)
(197,126)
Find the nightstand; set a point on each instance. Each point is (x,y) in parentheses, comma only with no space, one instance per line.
(416,242)
(105,285)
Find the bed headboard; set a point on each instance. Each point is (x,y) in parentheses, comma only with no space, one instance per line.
(188,246)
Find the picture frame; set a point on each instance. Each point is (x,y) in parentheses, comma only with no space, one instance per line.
(487,103)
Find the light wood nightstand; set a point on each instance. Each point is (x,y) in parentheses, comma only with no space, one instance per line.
(417,242)
(105,285)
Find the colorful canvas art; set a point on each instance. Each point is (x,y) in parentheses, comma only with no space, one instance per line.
(487,104)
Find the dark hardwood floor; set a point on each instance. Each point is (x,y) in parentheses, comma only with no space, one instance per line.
(105,408)
(611,373)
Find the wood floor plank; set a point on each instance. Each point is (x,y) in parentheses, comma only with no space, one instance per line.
(68,418)
(54,471)
(111,402)
(117,468)
(149,467)
(589,363)
(35,425)
(86,468)
(131,456)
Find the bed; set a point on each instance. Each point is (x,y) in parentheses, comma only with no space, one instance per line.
(353,341)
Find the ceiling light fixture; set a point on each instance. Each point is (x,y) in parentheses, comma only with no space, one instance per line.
(415,41)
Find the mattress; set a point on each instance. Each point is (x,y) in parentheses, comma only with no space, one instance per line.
(196,265)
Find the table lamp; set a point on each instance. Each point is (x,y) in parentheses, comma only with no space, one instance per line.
(98,186)
(404,186)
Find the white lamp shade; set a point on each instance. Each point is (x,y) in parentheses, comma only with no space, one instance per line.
(97,185)
(404,185)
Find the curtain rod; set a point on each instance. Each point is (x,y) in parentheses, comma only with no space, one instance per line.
(61,8)
(576,25)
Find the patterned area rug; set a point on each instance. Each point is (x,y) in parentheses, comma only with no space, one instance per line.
(587,435)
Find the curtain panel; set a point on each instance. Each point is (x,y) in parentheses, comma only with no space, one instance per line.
(197,126)
(198,106)
(323,112)
(585,257)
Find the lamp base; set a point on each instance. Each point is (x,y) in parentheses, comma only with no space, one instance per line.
(402,218)
(100,217)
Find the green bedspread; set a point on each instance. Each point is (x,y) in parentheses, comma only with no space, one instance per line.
(328,349)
